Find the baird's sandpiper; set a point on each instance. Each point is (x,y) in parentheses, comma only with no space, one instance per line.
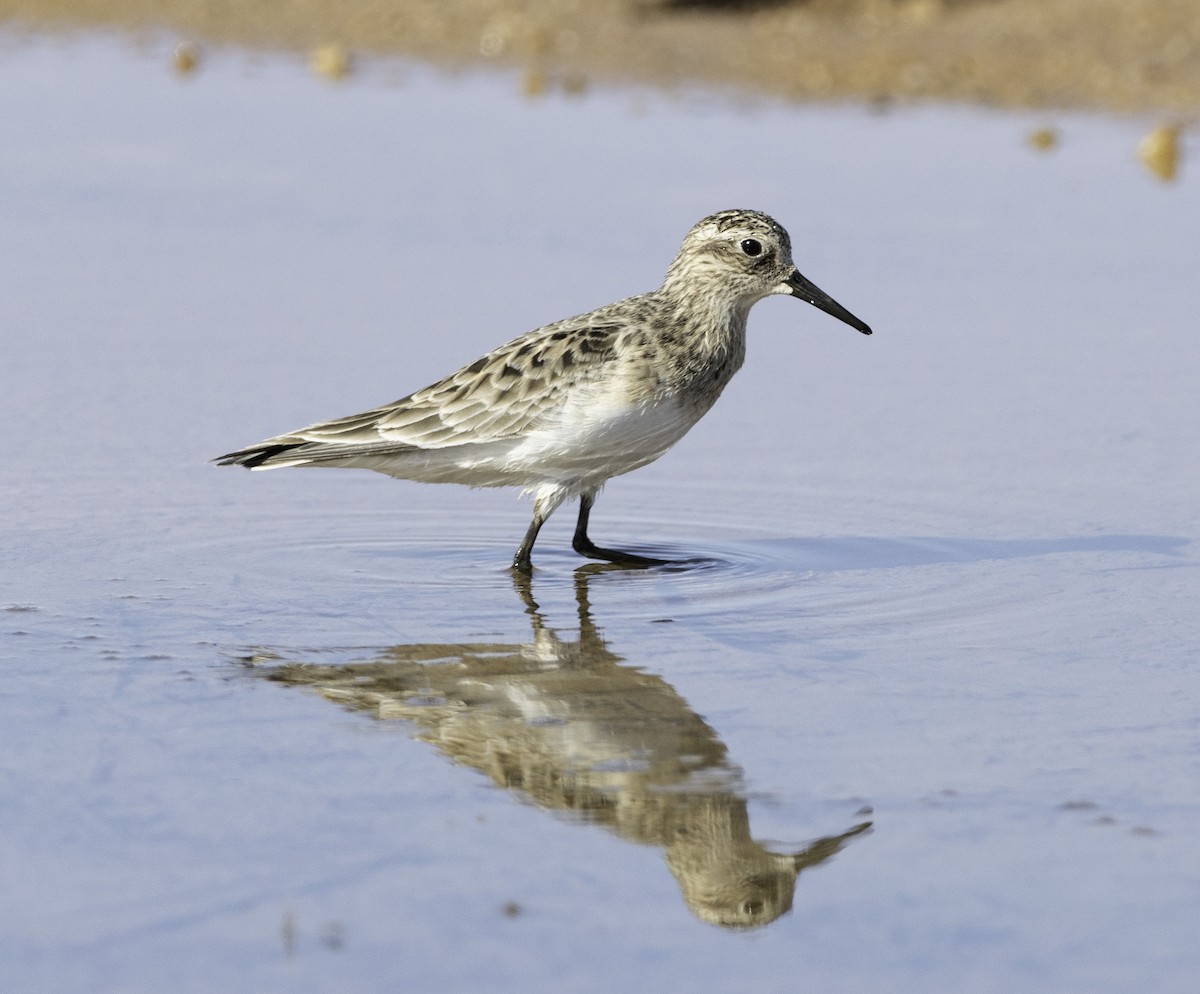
(563,408)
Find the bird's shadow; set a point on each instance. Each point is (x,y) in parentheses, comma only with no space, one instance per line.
(868,552)
(834,554)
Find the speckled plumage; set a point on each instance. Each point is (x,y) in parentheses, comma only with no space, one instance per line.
(562,409)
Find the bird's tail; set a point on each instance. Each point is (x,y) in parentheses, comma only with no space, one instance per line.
(263,456)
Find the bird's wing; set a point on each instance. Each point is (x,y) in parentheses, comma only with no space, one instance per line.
(504,394)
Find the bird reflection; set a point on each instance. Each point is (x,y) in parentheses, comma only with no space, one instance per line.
(573,729)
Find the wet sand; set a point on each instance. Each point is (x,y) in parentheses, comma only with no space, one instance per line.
(1080,54)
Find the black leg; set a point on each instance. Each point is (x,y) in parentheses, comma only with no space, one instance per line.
(585,547)
(522,561)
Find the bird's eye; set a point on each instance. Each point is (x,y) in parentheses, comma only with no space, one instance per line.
(751,246)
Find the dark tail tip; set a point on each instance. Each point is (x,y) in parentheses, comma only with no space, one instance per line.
(257,455)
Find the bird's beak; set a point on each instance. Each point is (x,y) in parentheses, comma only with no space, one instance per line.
(800,287)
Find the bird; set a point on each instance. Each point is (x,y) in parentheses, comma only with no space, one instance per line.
(564,408)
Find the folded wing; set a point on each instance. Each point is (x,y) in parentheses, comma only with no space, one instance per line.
(500,397)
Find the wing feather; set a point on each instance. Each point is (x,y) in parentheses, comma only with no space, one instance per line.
(503,395)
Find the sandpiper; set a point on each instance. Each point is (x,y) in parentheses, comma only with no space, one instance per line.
(565,407)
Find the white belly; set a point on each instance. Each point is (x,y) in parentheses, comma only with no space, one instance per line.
(591,442)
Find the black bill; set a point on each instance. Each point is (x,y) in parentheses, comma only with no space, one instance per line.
(806,290)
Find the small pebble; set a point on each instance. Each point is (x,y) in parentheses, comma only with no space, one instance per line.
(186,58)
(331,61)
(1044,139)
(1159,151)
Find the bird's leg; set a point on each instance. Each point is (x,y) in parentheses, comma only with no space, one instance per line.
(585,547)
(522,562)
(548,498)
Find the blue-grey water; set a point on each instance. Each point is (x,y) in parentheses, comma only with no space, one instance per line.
(923,715)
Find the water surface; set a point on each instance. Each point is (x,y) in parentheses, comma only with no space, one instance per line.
(921,714)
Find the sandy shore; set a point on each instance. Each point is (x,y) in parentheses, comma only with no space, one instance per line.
(1121,55)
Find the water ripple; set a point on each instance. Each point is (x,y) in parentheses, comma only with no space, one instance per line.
(771,585)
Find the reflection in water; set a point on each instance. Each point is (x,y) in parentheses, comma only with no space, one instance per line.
(574,730)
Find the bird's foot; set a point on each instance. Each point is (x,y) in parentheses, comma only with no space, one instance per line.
(585,547)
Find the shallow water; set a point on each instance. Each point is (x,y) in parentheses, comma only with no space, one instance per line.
(298,731)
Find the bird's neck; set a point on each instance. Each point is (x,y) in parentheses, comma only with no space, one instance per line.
(714,321)
(706,347)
